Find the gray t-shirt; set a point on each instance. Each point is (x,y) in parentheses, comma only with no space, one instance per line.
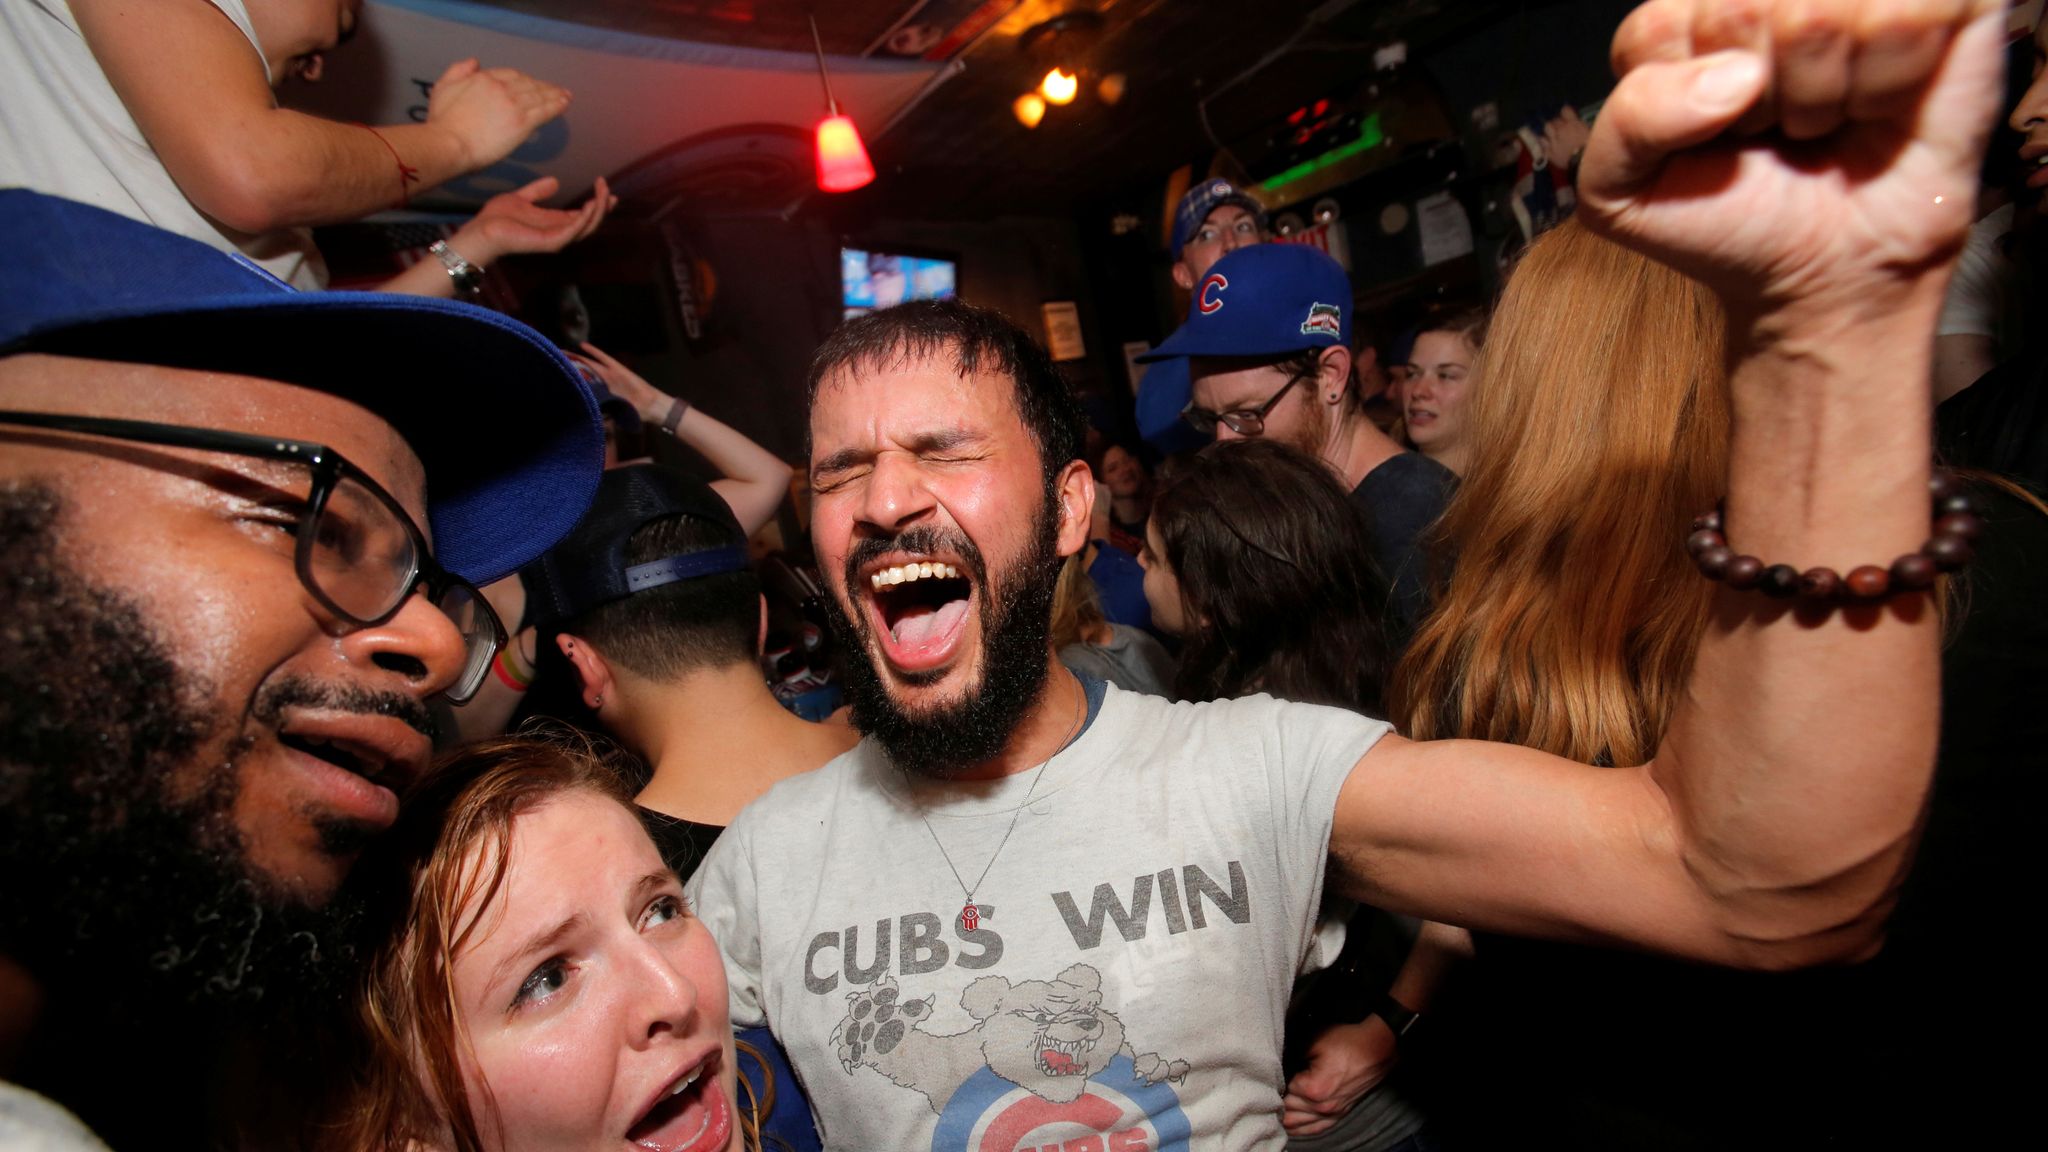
(1132,660)
(1124,978)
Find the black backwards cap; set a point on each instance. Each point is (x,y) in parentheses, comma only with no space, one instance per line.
(588,568)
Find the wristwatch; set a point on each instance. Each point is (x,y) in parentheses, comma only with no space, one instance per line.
(468,278)
(1398,1016)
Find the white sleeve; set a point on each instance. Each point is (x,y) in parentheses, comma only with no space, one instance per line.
(723,896)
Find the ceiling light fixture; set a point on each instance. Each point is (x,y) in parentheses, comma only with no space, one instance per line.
(1030,109)
(1059,87)
(843,163)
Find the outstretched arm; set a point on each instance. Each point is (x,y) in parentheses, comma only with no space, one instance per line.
(1778,814)
(510,223)
(256,167)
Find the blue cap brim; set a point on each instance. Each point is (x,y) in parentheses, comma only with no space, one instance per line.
(1186,343)
(506,428)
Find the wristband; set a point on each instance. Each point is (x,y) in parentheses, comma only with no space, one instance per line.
(506,667)
(676,408)
(407,174)
(1396,1015)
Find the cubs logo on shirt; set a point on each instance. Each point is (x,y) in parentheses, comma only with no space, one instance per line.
(1046,1065)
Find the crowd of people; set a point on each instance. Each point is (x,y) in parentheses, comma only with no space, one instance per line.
(1607,719)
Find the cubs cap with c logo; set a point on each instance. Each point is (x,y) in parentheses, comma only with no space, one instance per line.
(1265,300)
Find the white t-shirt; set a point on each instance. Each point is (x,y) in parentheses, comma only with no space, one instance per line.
(1123,984)
(1978,294)
(64,131)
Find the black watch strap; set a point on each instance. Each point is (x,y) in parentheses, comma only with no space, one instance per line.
(1398,1016)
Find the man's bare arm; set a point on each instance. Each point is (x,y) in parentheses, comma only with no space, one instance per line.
(197,90)
(1777,816)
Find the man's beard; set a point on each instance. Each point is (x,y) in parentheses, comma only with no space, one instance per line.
(125,880)
(1016,631)
(1313,436)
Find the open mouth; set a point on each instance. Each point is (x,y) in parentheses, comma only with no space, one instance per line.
(922,607)
(349,760)
(690,1116)
(1061,1058)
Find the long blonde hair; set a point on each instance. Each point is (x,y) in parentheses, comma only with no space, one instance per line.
(1572,614)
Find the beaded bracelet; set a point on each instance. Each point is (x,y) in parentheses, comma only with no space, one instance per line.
(1952,545)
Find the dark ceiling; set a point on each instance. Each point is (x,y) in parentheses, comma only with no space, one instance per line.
(962,152)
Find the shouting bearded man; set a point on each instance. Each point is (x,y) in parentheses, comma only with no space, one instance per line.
(1032,910)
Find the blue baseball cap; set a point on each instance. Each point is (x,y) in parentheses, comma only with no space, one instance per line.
(507,429)
(588,568)
(1205,198)
(1265,300)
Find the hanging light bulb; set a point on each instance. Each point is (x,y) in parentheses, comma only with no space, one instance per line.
(1059,87)
(1030,109)
(843,163)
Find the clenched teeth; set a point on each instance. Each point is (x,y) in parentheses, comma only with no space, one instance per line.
(908,572)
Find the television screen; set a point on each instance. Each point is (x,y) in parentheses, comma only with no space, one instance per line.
(871,280)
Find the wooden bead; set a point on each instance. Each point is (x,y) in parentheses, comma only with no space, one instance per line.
(1943,484)
(1913,572)
(1779,581)
(1713,563)
(1961,525)
(1820,584)
(1702,540)
(1949,552)
(1744,572)
(1707,521)
(1954,503)
(1868,582)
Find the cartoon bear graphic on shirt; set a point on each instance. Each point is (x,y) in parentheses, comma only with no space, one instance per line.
(1048,1037)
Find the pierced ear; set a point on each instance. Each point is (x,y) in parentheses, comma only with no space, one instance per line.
(593,674)
(1333,375)
(1183,276)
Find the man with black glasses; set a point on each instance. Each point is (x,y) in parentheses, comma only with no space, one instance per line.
(241,530)
(1267,344)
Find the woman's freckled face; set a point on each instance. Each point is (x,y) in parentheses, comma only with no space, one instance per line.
(589,989)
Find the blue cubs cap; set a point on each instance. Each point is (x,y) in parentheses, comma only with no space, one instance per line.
(506,427)
(588,568)
(1265,300)
(1203,199)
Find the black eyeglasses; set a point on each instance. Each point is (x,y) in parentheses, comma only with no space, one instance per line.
(358,552)
(1243,421)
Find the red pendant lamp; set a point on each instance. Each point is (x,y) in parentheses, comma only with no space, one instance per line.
(843,163)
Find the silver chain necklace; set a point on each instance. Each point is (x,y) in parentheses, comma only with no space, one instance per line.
(970,912)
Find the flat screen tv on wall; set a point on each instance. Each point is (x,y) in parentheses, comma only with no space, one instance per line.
(871,279)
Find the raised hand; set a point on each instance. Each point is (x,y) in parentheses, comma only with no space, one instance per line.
(491,111)
(1819,155)
(651,402)
(513,223)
